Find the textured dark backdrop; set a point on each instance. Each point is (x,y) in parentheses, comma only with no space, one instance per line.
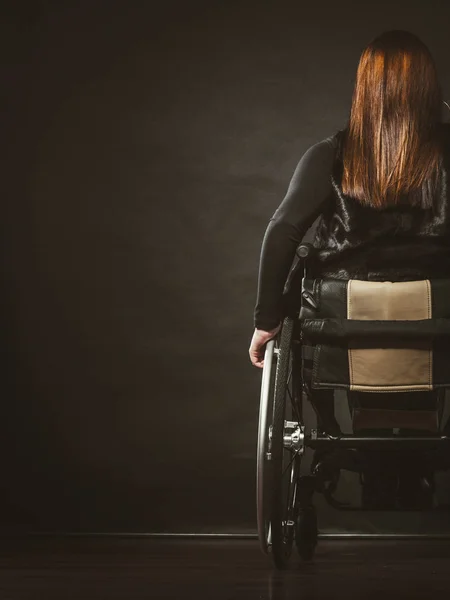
(147,147)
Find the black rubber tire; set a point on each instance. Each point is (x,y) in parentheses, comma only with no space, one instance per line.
(281,543)
(306,532)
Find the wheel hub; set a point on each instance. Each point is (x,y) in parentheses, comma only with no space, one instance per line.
(294,436)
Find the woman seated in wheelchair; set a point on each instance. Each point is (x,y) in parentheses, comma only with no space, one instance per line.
(378,192)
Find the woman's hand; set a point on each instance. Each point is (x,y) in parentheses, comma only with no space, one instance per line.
(259,340)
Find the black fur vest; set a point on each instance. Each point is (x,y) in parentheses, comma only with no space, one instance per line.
(392,244)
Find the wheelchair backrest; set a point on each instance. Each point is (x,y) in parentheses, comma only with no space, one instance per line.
(376,336)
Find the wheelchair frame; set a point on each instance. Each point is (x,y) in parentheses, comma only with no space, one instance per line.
(285,509)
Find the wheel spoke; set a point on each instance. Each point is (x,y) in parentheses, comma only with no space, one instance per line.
(293,405)
(292,488)
(296,453)
(289,385)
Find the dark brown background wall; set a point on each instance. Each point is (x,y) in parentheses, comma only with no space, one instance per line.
(146,148)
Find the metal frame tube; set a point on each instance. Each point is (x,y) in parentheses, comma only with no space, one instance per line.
(320,440)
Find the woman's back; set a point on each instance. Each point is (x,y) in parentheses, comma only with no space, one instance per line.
(398,242)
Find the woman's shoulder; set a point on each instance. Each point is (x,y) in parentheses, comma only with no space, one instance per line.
(329,146)
(321,150)
(326,143)
(322,154)
(317,159)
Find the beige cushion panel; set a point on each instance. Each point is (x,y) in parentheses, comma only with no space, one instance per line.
(388,301)
(390,369)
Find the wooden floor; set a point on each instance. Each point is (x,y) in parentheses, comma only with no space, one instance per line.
(142,568)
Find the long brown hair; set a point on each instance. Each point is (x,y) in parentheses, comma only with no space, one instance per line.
(391,148)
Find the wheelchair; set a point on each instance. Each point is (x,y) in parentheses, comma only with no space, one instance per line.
(387,345)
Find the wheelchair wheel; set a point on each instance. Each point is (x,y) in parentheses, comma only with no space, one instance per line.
(279,449)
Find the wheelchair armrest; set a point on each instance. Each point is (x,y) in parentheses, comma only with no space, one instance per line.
(296,276)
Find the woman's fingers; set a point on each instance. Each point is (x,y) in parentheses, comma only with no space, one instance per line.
(256,356)
(255,351)
(257,345)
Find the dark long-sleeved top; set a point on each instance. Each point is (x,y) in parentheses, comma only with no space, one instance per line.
(307,193)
